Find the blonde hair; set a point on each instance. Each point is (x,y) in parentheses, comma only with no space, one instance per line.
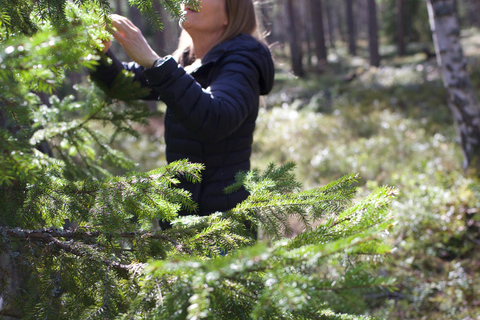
(241,19)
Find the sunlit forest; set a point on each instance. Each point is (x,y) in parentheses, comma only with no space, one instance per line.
(380,93)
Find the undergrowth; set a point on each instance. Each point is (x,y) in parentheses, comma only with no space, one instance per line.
(391,125)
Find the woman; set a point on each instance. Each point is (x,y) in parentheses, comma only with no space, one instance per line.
(212,107)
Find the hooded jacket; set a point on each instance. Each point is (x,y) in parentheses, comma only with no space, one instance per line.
(211,112)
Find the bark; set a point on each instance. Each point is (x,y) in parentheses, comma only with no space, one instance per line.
(12,273)
(474,12)
(14,277)
(401,27)
(338,15)
(118,7)
(462,100)
(277,30)
(330,23)
(294,40)
(318,32)
(266,19)
(373,33)
(360,10)
(308,29)
(352,45)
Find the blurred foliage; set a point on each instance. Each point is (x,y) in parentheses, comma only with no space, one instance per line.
(393,126)
(417,28)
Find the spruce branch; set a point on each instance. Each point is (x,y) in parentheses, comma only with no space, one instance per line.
(48,237)
(82,235)
(208,266)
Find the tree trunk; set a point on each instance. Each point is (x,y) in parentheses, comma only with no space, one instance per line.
(338,15)
(352,43)
(373,33)
(318,32)
(118,7)
(8,310)
(308,30)
(462,100)
(266,19)
(474,12)
(360,9)
(401,27)
(8,307)
(295,40)
(136,17)
(159,35)
(330,23)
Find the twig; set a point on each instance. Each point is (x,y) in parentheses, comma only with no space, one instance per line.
(48,237)
(51,235)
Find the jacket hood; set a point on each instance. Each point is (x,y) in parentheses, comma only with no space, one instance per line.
(252,49)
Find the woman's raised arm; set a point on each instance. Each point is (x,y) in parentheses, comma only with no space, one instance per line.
(133,41)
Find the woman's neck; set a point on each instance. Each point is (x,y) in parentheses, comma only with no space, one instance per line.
(203,43)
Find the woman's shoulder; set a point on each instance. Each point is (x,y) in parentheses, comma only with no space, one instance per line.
(243,40)
(249,54)
(239,45)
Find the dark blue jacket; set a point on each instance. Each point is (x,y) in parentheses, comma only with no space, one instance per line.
(211,112)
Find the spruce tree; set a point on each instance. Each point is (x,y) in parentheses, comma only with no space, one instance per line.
(79,242)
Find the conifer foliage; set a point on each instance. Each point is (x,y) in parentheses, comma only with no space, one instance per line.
(78,242)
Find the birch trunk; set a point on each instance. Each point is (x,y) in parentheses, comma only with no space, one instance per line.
(462,100)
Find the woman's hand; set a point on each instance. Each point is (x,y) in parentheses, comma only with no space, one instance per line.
(106,46)
(133,41)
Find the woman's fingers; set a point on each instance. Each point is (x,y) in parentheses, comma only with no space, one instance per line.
(124,26)
(106,45)
(120,27)
(133,41)
(126,30)
(119,37)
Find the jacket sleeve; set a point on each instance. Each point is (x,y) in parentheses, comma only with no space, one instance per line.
(217,111)
(107,72)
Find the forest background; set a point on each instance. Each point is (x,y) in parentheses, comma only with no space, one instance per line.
(336,110)
(359,90)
